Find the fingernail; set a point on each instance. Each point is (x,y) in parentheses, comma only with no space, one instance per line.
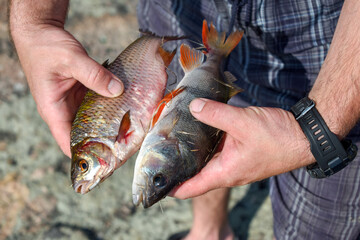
(115,87)
(197,105)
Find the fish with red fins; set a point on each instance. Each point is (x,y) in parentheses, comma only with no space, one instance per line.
(108,131)
(178,146)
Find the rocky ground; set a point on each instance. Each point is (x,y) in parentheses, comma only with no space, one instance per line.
(36,200)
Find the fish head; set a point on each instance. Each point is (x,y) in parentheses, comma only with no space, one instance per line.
(157,173)
(92,162)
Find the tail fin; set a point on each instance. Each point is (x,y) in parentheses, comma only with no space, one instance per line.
(166,56)
(215,42)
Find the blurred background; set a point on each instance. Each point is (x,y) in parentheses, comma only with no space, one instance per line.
(36,198)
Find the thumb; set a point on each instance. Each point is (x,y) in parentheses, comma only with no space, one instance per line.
(96,77)
(215,114)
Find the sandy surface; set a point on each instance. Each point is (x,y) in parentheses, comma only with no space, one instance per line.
(36,200)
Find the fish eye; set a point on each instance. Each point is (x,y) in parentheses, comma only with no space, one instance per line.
(83,165)
(159,180)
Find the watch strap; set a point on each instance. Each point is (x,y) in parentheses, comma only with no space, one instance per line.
(331,155)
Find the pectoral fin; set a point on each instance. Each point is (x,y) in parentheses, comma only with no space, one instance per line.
(124,128)
(168,97)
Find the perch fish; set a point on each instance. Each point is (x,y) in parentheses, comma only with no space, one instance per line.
(177,145)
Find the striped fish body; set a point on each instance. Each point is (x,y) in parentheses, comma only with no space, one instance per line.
(108,131)
(177,145)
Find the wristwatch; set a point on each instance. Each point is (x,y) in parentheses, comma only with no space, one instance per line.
(330,153)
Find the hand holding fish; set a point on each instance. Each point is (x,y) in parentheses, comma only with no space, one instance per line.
(259,143)
(57,67)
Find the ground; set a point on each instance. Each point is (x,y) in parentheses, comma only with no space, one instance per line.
(36,198)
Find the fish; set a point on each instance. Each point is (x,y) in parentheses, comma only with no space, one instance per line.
(177,145)
(108,131)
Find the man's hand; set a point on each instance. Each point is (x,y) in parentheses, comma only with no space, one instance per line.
(259,143)
(57,67)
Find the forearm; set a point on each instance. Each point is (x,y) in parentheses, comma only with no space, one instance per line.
(30,15)
(337,88)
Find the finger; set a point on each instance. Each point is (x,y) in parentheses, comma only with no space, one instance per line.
(96,77)
(209,178)
(216,114)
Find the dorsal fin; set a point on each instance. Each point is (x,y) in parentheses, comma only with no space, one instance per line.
(168,97)
(190,58)
(165,38)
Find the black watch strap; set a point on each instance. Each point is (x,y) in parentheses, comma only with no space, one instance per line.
(330,154)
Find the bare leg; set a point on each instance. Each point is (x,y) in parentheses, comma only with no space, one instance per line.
(210,213)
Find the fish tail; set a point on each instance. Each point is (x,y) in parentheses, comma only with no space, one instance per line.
(166,56)
(215,41)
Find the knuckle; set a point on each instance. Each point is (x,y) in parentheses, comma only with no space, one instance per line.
(96,76)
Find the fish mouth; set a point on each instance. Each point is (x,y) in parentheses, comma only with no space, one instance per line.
(138,198)
(85,187)
(139,190)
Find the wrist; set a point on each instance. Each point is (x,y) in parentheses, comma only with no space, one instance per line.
(29,17)
(303,146)
(331,155)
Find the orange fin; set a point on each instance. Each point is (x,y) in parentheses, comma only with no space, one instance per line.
(190,58)
(166,56)
(124,128)
(168,97)
(215,42)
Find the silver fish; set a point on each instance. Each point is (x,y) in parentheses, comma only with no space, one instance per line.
(177,145)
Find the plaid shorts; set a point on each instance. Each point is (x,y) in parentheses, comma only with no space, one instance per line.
(276,63)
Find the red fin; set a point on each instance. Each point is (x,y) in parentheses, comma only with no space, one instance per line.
(124,128)
(166,56)
(163,103)
(190,58)
(215,42)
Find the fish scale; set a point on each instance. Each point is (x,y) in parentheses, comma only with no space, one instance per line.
(108,131)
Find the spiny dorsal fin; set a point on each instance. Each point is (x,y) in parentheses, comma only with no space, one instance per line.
(190,58)
(168,97)
(215,42)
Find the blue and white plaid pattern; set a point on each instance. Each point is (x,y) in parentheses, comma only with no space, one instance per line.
(276,63)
